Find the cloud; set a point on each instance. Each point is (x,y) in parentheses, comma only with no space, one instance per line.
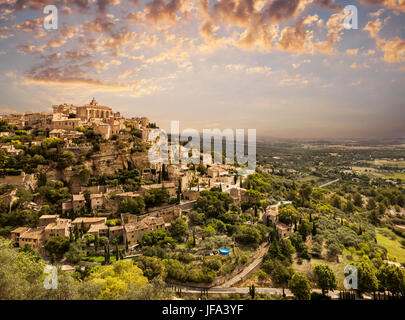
(11,74)
(81,5)
(391,4)
(373,27)
(296,38)
(393,49)
(296,80)
(163,11)
(352,52)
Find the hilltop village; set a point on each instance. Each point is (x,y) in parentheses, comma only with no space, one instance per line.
(77,190)
(102,183)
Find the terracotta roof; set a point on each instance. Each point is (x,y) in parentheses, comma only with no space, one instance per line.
(20,230)
(97,228)
(49,216)
(78,197)
(116,228)
(89,220)
(59,225)
(96,195)
(33,234)
(153,221)
(282,226)
(137,226)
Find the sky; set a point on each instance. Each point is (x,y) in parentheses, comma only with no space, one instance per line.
(287,68)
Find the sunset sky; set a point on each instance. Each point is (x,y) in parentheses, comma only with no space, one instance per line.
(286,68)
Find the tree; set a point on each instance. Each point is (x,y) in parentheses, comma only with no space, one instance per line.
(21,273)
(349,208)
(299,286)
(252,291)
(178,192)
(325,277)
(334,249)
(305,191)
(248,235)
(117,279)
(305,228)
(178,228)
(76,252)
(391,278)
(279,272)
(374,217)
(401,200)
(156,197)
(151,266)
(357,200)
(381,208)
(371,204)
(197,218)
(367,279)
(134,206)
(106,243)
(66,159)
(84,177)
(336,201)
(57,245)
(288,215)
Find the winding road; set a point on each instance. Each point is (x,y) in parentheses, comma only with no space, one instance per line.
(328,183)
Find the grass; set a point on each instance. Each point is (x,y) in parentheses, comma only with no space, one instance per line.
(395,175)
(391,242)
(98,259)
(392,175)
(388,163)
(338,268)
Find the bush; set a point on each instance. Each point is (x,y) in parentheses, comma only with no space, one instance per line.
(213,264)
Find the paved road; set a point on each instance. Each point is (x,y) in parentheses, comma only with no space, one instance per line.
(270,291)
(328,183)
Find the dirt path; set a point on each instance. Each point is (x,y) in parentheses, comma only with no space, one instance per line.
(246,271)
(328,183)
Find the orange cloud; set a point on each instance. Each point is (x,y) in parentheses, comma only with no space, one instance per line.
(394,49)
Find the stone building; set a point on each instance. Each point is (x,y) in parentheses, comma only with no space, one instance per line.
(94,111)
(59,228)
(88,221)
(16,234)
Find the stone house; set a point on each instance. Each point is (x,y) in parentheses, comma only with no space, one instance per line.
(88,221)
(191,195)
(169,186)
(133,232)
(45,219)
(99,229)
(16,234)
(59,228)
(116,231)
(97,201)
(78,202)
(284,231)
(33,237)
